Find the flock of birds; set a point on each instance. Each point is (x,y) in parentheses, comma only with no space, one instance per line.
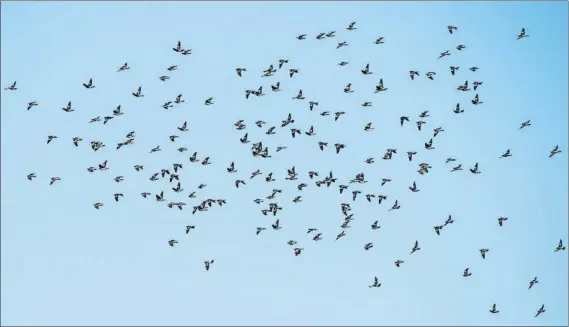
(172,174)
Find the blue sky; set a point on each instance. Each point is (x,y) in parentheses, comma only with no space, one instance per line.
(65,263)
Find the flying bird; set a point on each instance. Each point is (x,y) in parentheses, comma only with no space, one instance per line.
(178,47)
(532,282)
(540,310)
(560,246)
(11,87)
(376,283)
(493,310)
(89,85)
(522,34)
(554,151)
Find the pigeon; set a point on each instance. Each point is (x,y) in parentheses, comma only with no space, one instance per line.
(522,34)
(493,310)
(376,283)
(540,311)
(11,87)
(532,283)
(560,246)
(89,85)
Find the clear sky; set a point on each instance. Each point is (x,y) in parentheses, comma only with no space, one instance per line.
(63,262)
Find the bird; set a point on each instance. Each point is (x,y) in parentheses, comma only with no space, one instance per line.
(438,229)
(476,84)
(464,88)
(532,282)
(32,104)
(501,220)
(184,126)
(208,264)
(366,70)
(178,47)
(282,62)
(429,145)
(506,154)
(50,138)
(76,140)
(375,225)
(117,111)
(68,108)
(379,87)
(540,310)
(522,34)
(259,230)
(123,67)
(493,310)
(299,95)
(117,196)
(554,151)
(560,246)
(457,109)
(179,99)
(453,70)
(474,170)
(415,247)
(138,92)
(525,124)
(89,85)
(376,283)
(311,104)
(240,71)
(292,71)
(11,87)
(466,273)
(483,253)
(414,188)
(437,130)
(451,28)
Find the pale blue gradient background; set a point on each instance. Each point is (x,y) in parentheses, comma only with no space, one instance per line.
(64,262)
